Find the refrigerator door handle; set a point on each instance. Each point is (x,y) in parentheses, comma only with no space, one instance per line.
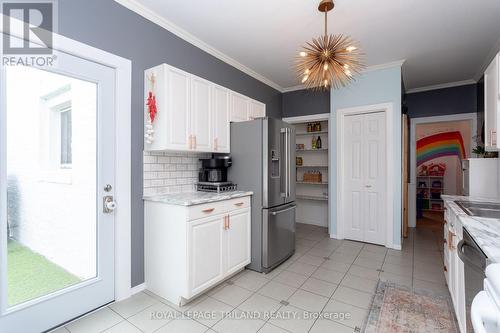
(288,162)
(284,177)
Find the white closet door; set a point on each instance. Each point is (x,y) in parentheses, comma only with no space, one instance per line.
(375,177)
(364,165)
(354,182)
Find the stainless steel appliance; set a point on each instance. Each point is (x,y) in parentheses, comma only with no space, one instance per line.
(263,153)
(475,262)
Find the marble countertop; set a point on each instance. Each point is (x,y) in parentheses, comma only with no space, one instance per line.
(485,231)
(195,198)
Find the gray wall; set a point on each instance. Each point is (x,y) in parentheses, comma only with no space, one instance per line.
(439,102)
(305,102)
(111,27)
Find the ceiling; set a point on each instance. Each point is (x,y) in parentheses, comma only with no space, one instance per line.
(441,41)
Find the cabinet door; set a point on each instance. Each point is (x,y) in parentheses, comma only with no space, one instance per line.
(238,240)
(205,252)
(256,110)
(221,119)
(239,107)
(177,98)
(491,96)
(201,114)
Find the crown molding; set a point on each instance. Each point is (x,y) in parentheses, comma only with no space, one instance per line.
(150,15)
(441,86)
(493,52)
(392,64)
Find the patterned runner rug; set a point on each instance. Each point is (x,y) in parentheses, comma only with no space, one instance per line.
(397,309)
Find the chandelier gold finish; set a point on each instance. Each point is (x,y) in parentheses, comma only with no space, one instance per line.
(329,60)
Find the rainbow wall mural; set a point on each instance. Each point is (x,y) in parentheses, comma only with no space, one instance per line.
(439,145)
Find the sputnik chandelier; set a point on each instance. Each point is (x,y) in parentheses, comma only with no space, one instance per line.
(329,60)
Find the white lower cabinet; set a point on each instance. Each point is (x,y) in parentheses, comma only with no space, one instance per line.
(237,240)
(190,249)
(453,265)
(205,254)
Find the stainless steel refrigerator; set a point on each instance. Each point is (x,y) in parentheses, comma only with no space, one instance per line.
(263,155)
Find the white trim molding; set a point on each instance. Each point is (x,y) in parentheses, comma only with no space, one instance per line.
(441,86)
(412,187)
(123,127)
(312,117)
(152,16)
(388,108)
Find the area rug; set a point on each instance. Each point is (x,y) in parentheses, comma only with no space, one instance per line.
(397,309)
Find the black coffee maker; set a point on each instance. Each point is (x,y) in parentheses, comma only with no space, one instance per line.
(214,170)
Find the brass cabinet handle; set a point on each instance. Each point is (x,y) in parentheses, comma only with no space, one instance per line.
(239,204)
(194,138)
(445,269)
(216,144)
(208,210)
(228,222)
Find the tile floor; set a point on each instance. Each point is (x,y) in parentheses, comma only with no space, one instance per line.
(324,275)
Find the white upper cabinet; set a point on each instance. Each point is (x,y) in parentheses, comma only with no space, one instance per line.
(239,107)
(256,110)
(171,89)
(193,114)
(492,104)
(221,118)
(201,114)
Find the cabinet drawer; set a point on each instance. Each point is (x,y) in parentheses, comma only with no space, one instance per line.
(237,203)
(206,210)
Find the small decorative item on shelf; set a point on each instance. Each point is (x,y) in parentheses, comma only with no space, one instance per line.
(437,169)
(422,170)
(422,184)
(437,184)
(298,161)
(300,146)
(312,177)
(318,143)
(314,127)
(313,143)
(435,194)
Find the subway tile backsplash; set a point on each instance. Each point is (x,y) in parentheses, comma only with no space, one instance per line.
(171,172)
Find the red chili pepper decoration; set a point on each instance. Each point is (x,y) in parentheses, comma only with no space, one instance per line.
(151,103)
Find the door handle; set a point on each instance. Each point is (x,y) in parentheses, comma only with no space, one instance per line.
(109,205)
(283,210)
(208,210)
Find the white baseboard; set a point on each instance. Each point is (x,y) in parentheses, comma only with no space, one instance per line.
(137,289)
(396,247)
(334,236)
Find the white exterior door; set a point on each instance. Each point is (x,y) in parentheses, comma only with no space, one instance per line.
(201,114)
(365,177)
(57,158)
(178,109)
(205,252)
(221,119)
(238,240)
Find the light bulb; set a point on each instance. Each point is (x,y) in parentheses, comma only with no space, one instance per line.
(351,48)
(348,72)
(302,54)
(326,83)
(346,66)
(304,79)
(307,71)
(325,67)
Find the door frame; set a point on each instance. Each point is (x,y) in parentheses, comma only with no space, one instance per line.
(122,192)
(388,109)
(319,117)
(412,188)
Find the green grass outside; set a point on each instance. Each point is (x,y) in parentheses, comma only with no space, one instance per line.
(31,275)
